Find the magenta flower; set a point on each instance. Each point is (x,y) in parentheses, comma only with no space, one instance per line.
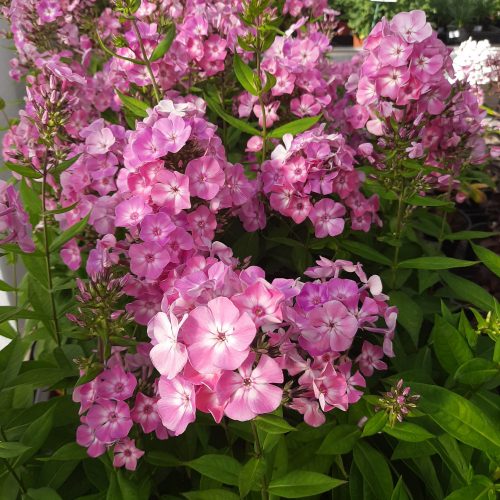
(171,191)
(330,327)
(110,420)
(85,436)
(145,413)
(156,228)
(251,392)
(115,383)
(205,177)
(412,26)
(177,404)
(126,454)
(331,390)
(218,336)
(148,259)
(167,355)
(370,359)
(326,216)
(131,212)
(171,133)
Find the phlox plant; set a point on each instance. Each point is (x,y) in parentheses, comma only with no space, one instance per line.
(192,185)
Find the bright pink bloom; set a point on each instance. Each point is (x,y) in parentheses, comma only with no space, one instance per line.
(262,303)
(370,359)
(390,80)
(331,390)
(251,392)
(202,223)
(85,436)
(167,355)
(144,413)
(115,383)
(171,133)
(131,212)
(171,191)
(205,177)
(327,218)
(126,454)
(307,105)
(156,228)
(353,380)
(148,259)
(110,419)
(218,336)
(394,51)
(177,404)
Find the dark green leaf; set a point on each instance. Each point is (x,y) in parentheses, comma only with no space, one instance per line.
(162,459)
(295,127)
(410,314)
(31,201)
(407,431)
(69,451)
(162,48)
(374,469)
(481,488)
(366,251)
(459,417)
(63,210)
(270,82)
(40,377)
(219,467)
(273,424)
(428,201)
(136,107)
(43,494)
(399,492)
(450,347)
(341,439)
(476,371)
(35,435)
(435,263)
(68,234)
(251,475)
(213,494)
(5,287)
(469,292)
(302,483)
(12,449)
(490,259)
(245,75)
(28,172)
(64,165)
(375,424)
(469,235)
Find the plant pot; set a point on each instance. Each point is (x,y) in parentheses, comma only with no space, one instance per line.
(357,42)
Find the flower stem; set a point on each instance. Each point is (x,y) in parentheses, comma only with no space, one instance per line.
(397,234)
(48,264)
(259,453)
(261,101)
(146,60)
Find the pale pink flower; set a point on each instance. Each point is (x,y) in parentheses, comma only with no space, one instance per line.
(131,212)
(115,383)
(218,336)
(326,216)
(148,259)
(145,413)
(394,51)
(156,228)
(205,177)
(177,403)
(172,133)
(110,419)
(100,141)
(167,355)
(412,26)
(331,390)
(126,454)
(370,359)
(251,392)
(171,191)
(85,436)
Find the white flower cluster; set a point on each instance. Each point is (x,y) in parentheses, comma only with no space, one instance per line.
(474,62)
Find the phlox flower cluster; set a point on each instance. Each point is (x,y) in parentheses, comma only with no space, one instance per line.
(305,173)
(402,91)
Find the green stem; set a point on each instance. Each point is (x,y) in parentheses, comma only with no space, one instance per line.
(114,54)
(16,292)
(259,453)
(261,101)
(397,234)
(444,216)
(10,468)
(47,258)
(146,61)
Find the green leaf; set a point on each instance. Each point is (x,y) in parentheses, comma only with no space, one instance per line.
(270,82)
(407,431)
(302,483)
(289,242)
(40,377)
(213,494)
(64,165)
(219,467)
(5,287)
(235,122)
(11,449)
(410,313)
(43,494)
(136,107)
(375,424)
(28,172)
(340,440)
(162,48)
(273,424)
(295,127)
(469,235)
(476,371)
(68,234)
(245,75)
(251,475)
(450,347)
(31,201)
(481,488)
(37,432)
(69,451)
(490,259)
(162,459)
(428,201)
(366,251)
(63,210)
(459,417)
(435,263)
(374,469)
(469,292)
(399,492)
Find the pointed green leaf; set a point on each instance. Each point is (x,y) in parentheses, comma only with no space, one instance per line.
(219,467)
(469,292)
(136,107)
(303,484)
(375,424)
(23,170)
(435,263)
(490,259)
(273,424)
(69,233)
(407,431)
(340,440)
(366,251)
(295,127)
(212,494)
(251,475)
(476,371)
(245,75)
(11,449)
(162,48)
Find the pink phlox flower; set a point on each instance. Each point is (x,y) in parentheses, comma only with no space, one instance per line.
(145,413)
(171,191)
(100,141)
(326,217)
(110,420)
(126,454)
(353,381)
(412,26)
(115,383)
(331,390)
(172,133)
(131,212)
(370,359)
(156,228)
(148,260)
(206,177)
(85,436)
